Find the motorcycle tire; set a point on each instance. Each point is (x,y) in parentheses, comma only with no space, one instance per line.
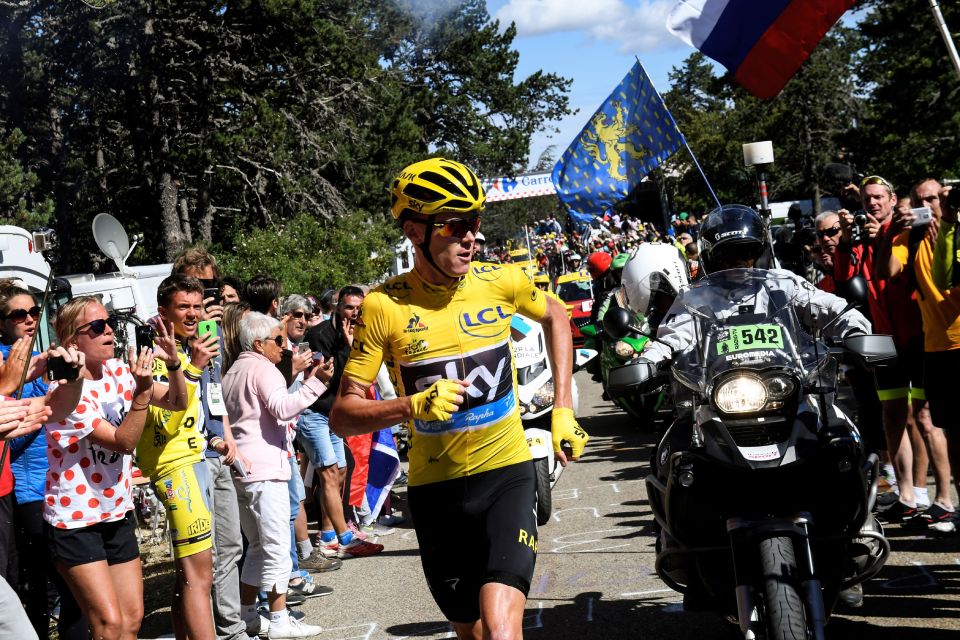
(783,607)
(544,493)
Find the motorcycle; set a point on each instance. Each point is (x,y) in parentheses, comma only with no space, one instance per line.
(535,392)
(762,489)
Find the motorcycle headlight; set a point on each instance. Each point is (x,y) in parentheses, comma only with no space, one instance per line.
(750,393)
(742,393)
(624,349)
(544,395)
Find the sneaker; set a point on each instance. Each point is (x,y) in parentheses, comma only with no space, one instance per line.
(376,529)
(886,499)
(265,616)
(308,589)
(934,514)
(258,626)
(947,526)
(357,548)
(319,563)
(296,615)
(294,599)
(391,520)
(328,549)
(293,629)
(897,512)
(401,480)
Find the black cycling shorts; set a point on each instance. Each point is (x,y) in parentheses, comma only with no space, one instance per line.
(115,542)
(940,377)
(474,530)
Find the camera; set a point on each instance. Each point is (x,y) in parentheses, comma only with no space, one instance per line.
(60,369)
(859,222)
(953,197)
(144,336)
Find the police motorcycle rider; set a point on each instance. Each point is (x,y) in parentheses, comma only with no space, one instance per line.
(733,237)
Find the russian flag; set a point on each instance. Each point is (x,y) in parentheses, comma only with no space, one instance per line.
(762,43)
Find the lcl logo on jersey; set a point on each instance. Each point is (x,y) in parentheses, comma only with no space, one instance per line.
(488,372)
(397,288)
(488,272)
(483,323)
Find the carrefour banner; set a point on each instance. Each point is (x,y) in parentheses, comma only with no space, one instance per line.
(526,186)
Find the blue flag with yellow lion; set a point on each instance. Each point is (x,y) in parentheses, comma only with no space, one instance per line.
(630,135)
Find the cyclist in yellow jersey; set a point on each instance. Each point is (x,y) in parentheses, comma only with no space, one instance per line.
(171,452)
(443,330)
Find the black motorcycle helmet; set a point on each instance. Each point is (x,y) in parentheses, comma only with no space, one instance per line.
(730,235)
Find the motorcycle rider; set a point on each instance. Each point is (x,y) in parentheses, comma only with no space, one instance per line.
(733,236)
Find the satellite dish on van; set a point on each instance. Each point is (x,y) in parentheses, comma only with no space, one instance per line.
(112,239)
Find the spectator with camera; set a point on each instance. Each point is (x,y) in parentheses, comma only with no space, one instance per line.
(827,229)
(333,338)
(932,262)
(171,452)
(901,387)
(257,397)
(221,450)
(90,527)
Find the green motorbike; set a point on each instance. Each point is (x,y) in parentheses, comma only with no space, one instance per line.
(619,375)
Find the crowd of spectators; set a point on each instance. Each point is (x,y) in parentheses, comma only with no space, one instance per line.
(902,244)
(228,424)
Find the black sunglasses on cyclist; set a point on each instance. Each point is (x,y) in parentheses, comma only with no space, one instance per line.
(302,314)
(20,315)
(828,233)
(97,327)
(456,228)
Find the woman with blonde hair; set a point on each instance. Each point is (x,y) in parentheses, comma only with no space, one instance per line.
(88,510)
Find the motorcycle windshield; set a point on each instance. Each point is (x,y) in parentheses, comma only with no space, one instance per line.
(745,318)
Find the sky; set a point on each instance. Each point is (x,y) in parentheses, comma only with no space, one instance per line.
(594,43)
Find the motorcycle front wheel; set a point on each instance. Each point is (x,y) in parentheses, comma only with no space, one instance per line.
(783,607)
(544,494)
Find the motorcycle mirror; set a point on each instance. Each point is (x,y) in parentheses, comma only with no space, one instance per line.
(616,322)
(854,291)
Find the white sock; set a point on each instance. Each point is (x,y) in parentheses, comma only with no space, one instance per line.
(279,618)
(921,496)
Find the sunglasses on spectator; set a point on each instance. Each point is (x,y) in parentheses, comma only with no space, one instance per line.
(456,228)
(20,315)
(97,327)
(828,233)
(302,314)
(277,340)
(875,180)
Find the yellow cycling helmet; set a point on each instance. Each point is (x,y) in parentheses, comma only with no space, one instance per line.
(436,185)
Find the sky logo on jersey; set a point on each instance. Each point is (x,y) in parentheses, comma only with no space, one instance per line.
(486,323)
(488,399)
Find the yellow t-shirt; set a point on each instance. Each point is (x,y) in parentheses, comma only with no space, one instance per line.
(170,439)
(425,333)
(940,309)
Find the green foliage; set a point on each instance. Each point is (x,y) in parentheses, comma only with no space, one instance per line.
(17,204)
(208,122)
(309,256)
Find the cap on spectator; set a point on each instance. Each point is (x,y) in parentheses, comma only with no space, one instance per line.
(599,263)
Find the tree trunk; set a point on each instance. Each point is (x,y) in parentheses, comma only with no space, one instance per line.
(185,221)
(173,239)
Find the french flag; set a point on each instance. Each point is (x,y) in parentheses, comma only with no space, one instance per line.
(762,42)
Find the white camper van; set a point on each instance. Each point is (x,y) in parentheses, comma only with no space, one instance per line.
(130,292)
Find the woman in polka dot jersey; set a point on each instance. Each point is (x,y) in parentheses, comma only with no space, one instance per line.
(88,509)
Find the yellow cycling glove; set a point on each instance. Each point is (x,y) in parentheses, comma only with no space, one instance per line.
(564,428)
(437,402)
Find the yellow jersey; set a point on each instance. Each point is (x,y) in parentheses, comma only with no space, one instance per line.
(424,333)
(171,439)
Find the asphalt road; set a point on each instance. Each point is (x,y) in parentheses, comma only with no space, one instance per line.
(595,578)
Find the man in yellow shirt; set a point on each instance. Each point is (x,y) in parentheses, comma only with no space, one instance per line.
(939,303)
(444,331)
(171,452)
